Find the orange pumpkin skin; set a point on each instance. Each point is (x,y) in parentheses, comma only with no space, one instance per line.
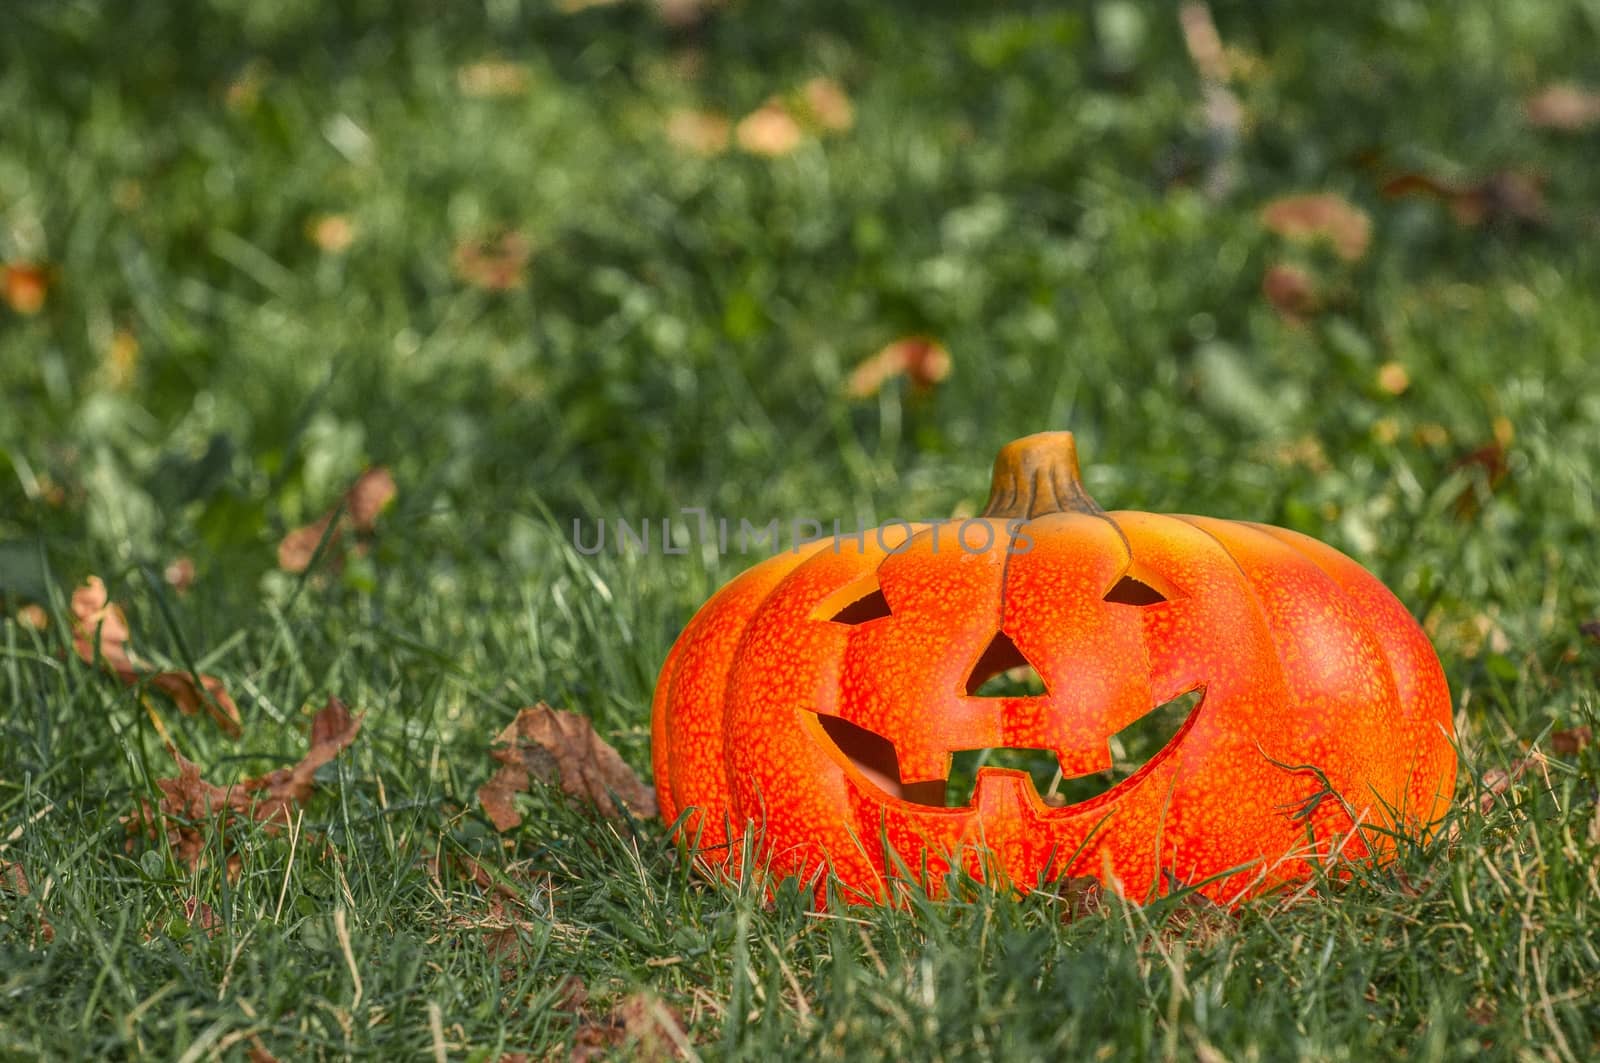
(1316,681)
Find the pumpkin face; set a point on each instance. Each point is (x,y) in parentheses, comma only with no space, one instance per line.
(820,700)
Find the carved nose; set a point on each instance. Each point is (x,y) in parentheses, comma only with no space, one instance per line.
(1002,670)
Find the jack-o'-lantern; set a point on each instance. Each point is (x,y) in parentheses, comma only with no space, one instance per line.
(819,701)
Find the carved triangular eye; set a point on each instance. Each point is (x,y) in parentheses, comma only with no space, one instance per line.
(872,607)
(1002,672)
(1130,591)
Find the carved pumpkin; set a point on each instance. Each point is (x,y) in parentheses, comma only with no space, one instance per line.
(819,700)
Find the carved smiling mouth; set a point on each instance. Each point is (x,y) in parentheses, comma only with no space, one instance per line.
(1137,748)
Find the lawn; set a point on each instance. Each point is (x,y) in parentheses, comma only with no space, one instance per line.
(557,263)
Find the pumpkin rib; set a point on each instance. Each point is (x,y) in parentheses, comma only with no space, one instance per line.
(1410,657)
(1272,559)
(686,776)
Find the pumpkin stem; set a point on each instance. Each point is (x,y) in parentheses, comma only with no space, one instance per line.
(1038,475)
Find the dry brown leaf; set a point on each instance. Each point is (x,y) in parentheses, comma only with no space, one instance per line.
(642,1021)
(369,496)
(23,286)
(121,362)
(331,233)
(827,104)
(1491,458)
(698,132)
(1223,112)
(1573,741)
(1497,781)
(98,624)
(244,91)
(13,880)
(14,883)
(563,749)
(1291,291)
(571,995)
(921,359)
(1508,195)
(491,78)
(1564,106)
(1203,42)
(493,263)
(192,807)
(1321,216)
(769,131)
(202,916)
(296,549)
(1393,378)
(180,574)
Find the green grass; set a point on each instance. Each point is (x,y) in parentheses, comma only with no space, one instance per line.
(1024,184)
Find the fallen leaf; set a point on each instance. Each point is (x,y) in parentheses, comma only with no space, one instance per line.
(199,914)
(642,1021)
(296,549)
(244,91)
(571,995)
(560,748)
(100,629)
(652,1026)
(827,105)
(770,131)
(1496,781)
(14,884)
(332,233)
(1224,113)
(1508,195)
(1320,216)
(23,286)
(698,132)
(368,497)
(1202,41)
(1291,291)
(682,13)
(1573,741)
(492,78)
(12,879)
(258,1052)
(921,359)
(190,805)
(1491,459)
(1431,434)
(180,574)
(121,362)
(494,263)
(1564,106)
(1393,378)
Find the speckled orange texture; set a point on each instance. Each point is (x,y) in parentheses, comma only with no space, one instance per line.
(1325,710)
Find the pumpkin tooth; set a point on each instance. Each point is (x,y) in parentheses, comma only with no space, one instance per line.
(923,766)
